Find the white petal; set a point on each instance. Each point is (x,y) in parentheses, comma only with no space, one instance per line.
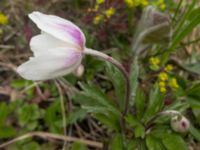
(60,28)
(41,43)
(58,62)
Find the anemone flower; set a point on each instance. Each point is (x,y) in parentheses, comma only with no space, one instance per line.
(57,51)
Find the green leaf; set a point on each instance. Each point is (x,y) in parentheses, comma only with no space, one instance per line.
(78,146)
(174,142)
(155,103)
(195,133)
(181,33)
(97,95)
(53,117)
(139,103)
(195,105)
(154,143)
(31,146)
(76,115)
(4,112)
(118,82)
(139,129)
(116,143)
(7,132)
(109,119)
(194,91)
(194,67)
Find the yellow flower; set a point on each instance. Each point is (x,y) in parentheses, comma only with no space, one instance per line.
(163,89)
(162,84)
(110,12)
(129,3)
(162,6)
(100,1)
(154,61)
(3,19)
(163,76)
(144,2)
(173,83)
(98,19)
(169,68)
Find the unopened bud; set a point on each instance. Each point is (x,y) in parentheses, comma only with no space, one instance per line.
(79,71)
(180,124)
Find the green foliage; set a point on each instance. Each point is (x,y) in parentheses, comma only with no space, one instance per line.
(27,106)
(116,143)
(77,146)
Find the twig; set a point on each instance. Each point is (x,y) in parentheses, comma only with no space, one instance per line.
(46,135)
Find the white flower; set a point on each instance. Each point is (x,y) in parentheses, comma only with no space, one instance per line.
(57,51)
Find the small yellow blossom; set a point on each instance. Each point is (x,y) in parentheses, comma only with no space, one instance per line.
(163,76)
(162,6)
(3,19)
(98,19)
(100,1)
(144,2)
(173,83)
(169,68)
(163,89)
(129,3)
(154,61)
(162,84)
(110,12)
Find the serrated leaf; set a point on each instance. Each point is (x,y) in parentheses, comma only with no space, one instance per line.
(109,119)
(96,94)
(76,115)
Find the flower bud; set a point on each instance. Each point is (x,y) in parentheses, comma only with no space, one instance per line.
(180,124)
(79,71)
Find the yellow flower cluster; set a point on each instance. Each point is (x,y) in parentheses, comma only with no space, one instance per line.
(3,19)
(136,3)
(173,83)
(165,80)
(154,61)
(110,12)
(168,68)
(106,14)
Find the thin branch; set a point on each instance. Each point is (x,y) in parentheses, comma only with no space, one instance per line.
(46,135)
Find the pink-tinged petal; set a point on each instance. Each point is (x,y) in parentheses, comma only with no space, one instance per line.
(60,28)
(58,62)
(41,43)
